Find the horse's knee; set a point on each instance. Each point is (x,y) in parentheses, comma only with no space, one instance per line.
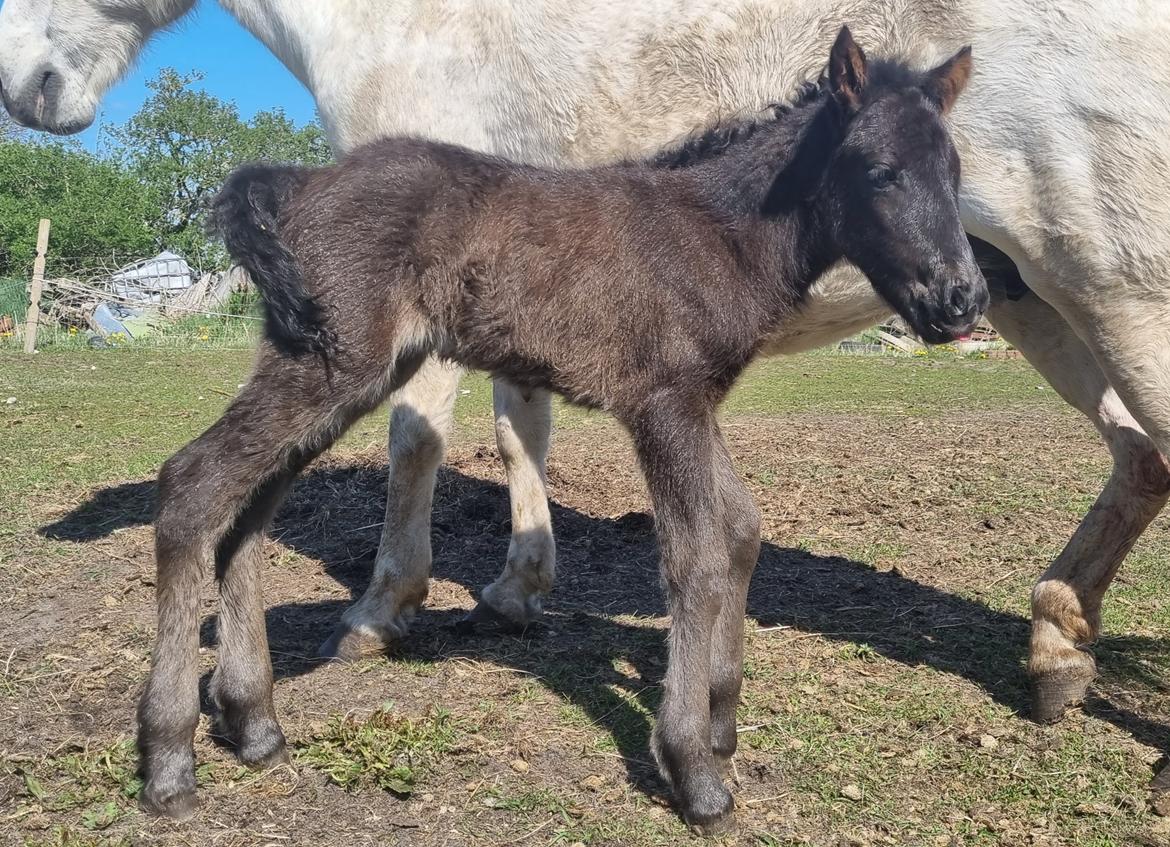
(744,523)
(742,520)
(1140,464)
(417,441)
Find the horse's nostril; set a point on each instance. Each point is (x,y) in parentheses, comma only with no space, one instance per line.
(959,302)
(48,92)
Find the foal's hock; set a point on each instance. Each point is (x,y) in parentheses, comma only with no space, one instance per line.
(642,288)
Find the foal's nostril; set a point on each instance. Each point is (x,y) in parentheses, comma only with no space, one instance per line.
(959,303)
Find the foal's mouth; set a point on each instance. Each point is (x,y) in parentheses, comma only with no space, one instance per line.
(939,334)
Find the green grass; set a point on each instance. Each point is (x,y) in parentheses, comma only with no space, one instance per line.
(385,750)
(887,385)
(13,297)
(82,417)
(93,786)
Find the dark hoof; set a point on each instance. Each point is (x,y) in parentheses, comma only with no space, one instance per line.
(1160,792)
(349,645)
(176,804)
(712,816)
(264,751)
(484,617)
(1053,693)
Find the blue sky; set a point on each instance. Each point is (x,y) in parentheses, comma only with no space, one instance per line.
(237,67)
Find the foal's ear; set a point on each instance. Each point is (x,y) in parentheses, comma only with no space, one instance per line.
(946,82)
(847,71)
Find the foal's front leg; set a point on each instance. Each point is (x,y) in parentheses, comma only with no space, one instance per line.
(677,451)
(741,524)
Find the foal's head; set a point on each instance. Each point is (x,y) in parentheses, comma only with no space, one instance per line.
(888,186)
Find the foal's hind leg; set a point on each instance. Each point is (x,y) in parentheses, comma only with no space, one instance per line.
(1066,602)
(677,447)
(242,683)
(741,523)
(287,412)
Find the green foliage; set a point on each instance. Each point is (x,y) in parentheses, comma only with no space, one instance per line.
(184,142)
(96,787)
(150,191)
(383,751)
(13,298)
(96,208)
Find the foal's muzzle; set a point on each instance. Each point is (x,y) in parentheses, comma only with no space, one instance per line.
(960,303)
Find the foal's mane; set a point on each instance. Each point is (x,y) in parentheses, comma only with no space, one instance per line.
(708,142)
(711,141)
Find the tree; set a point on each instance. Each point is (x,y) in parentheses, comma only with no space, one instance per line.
(97,209)
(183,143)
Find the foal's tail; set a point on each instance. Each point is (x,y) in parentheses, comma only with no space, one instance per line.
(246,214)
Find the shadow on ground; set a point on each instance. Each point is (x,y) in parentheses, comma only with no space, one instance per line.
(608,567)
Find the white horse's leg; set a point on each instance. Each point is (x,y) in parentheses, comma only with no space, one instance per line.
(1066,601)
(420,421)
(1130,338)
(523,426)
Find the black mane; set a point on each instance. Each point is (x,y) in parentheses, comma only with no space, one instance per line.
(709,142)
(714,140)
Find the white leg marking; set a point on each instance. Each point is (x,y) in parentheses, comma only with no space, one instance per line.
(523,426)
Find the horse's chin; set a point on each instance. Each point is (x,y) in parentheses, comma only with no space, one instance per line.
(69,127)
(935,333)
(57,121)
(932,329)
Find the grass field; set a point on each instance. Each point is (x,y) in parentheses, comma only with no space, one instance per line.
(908,506)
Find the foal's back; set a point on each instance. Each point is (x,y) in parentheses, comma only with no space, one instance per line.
(597,283)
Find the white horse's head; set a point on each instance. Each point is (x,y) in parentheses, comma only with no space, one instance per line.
(59,57)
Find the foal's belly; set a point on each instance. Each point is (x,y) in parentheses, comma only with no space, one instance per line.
(842,303)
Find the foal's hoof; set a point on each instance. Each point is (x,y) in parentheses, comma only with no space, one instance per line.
(1054,692)
(1160,792)
(711,816)
(178,804)
(347,644)
(263,750)
(484,617)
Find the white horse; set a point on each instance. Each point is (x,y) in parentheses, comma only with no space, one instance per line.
(1065,139)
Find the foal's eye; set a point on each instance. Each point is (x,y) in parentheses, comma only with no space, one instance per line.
(882,176)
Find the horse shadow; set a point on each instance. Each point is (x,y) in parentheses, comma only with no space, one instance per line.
(607,569)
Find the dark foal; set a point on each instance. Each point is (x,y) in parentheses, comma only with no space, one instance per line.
(642,288)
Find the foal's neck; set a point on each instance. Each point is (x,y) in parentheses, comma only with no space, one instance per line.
(760,179)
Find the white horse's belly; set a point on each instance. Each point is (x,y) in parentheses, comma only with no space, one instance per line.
(842,303)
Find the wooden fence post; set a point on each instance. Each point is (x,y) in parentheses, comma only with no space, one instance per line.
(33,320)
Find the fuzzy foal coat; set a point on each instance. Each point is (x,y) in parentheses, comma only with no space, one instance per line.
(608,286)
